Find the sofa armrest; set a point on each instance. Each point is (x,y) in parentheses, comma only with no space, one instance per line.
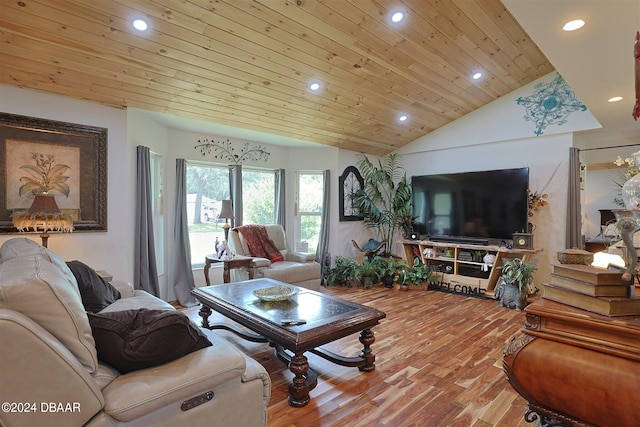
(301,256)
(125,288)
(137,393)
(261,262)
(36,368)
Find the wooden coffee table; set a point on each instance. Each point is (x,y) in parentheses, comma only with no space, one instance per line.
(327,319)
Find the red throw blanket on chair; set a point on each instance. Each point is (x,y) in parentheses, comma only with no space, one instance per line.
(259,243)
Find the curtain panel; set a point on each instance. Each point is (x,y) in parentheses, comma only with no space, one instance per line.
(145,275)
(280,199)
(573,238)
(183,282)
(322,251)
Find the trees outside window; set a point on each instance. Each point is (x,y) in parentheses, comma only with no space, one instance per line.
(207,186)
(310,190)
(258,196)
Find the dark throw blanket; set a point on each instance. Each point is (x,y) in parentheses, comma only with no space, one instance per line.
(259,243)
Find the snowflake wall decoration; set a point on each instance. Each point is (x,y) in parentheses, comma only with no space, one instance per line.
(224,151)
(550,104)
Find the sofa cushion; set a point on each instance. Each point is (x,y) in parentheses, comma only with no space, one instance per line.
(21,246)
(96,293)
(38,289)
(292,272)
(136,339)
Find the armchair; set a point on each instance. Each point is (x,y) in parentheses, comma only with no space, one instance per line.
(298,268)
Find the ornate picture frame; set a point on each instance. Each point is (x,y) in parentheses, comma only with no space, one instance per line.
(30,145)
(349,182)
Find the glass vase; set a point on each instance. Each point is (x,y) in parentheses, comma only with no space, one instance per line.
(631,189)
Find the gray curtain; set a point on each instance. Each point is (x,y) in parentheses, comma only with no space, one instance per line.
(322,251)
(182,272)
(574,218)
(280,199)
(235,181)
(145,275)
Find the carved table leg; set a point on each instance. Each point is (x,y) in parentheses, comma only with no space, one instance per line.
(299,388)
(205,312)
(367,338)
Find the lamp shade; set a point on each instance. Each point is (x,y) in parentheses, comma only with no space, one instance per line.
(226,211)
(43,216)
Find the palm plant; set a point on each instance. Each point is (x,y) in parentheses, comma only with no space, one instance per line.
(385,200)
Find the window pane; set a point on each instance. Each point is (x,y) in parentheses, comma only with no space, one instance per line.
(207,186)
(258,197)
(310,196)
(310,193)
(310,231)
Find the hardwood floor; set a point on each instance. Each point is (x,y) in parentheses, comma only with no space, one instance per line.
(438,363)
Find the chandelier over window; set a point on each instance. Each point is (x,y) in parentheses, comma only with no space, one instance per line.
(223,150)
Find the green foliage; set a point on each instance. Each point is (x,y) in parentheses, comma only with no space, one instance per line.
(342,273)
(385,200)
(389,266)
(515,271)
(258,198)
(416,274)
(367,270)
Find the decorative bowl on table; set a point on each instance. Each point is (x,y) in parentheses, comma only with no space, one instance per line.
(275,293)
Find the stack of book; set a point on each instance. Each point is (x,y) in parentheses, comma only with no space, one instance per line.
(593,289)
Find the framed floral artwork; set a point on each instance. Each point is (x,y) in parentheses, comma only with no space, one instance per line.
(66,160)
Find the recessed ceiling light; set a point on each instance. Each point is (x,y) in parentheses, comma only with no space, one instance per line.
(615,99)
(314,86)
(573,25)
(397,16)
(403,117)
(476,75)
(140,25)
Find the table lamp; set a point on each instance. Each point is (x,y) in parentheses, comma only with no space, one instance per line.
(43,216)
(226,212)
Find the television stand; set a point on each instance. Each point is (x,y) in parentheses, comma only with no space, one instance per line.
(462,264)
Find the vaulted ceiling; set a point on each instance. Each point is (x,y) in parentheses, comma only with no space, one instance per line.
(247,64)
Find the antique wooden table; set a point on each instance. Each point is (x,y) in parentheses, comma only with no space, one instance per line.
(575,367)
(237,261)
(326,319)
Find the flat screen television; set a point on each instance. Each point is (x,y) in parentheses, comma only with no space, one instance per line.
(474,206)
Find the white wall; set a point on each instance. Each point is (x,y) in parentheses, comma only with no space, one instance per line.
(497,137)
(111,250)
(493,137)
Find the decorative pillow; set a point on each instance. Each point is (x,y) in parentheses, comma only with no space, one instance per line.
(96,292)
(136,339)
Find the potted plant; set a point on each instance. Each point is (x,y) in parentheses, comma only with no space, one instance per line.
(342,272)
(367,273)
(385,197)
(513,289)
(388,269)
(416,274)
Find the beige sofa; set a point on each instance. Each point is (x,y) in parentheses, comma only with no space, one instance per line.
(50,374)
(298,268)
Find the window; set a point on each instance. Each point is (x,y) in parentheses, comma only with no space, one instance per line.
(310,190)
(258,196)
(207,186)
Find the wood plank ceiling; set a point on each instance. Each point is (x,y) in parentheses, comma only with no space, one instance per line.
(247,64)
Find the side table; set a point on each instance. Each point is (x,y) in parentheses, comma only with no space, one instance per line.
(238,261)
